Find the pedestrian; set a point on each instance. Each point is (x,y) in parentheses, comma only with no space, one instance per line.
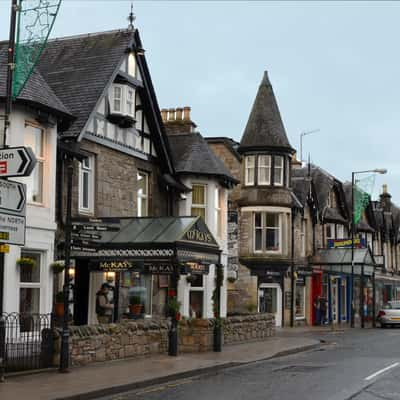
(317,310)
(323,308)
(104,308)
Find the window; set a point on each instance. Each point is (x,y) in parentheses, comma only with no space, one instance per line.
(278,170)
(29,292)
(300,299)
(303,235)
(267,232)
(330,231)
(130,102)
(199,201)
(250,162)
(117,104)
(196,296)
(143,194)
(86,185)
(219,205)
(35,139)
(264,170)
(340,231)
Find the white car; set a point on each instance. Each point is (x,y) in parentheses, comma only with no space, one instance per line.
(389,314)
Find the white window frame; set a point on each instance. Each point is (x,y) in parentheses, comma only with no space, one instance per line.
(340,231)
(264,229)
(32,285)
(202,206)
(41,160)
(264,162)
(140,197)
(281,168)
(218,212)
(123,99)
(114,98)
(132,101)
(248,167)
(88,169)
(131,59)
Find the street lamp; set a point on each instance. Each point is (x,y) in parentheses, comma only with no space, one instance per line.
(302,134)
(353,174)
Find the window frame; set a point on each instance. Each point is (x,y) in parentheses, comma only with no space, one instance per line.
(264,166)
(218,202)
(264,228)
(282,170)
(90,170)
(247,168)
(114,98)
(146,196)
(303,315)
(198,205)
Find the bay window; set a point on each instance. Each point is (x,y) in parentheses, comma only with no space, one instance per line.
(267,232)
(278,170)
(142,194)
(264,170)
(86,185)
(198,201)
(122,100)
(34,138)
(250,162)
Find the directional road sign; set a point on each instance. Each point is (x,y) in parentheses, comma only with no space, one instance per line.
(12,197)
(12,229)
(16,161)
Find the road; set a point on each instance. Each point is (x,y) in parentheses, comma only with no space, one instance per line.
(356,365)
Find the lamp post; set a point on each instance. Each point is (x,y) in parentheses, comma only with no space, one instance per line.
(353,175)
(302,134)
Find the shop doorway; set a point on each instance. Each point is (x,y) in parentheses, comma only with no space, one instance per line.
(270,300)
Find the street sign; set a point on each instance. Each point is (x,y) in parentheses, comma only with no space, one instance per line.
(12,229)
(4,248)
(86,236)
(94,228)
(16,161)
(12,197)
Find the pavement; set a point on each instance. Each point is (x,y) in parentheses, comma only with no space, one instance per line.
(113,377)
(352,365)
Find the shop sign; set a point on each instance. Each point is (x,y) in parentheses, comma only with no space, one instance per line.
(159,268)
(199,233)
(115,266)
(305,272)
(359,243)
(4,248)
(96,225)
(198,269)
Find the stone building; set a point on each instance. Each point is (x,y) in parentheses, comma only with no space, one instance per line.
(208,182)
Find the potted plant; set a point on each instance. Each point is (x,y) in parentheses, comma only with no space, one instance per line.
(135,305)
(57,266)
(59,304)
(26,262)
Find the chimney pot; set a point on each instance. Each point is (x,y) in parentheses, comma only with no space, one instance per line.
(164,114)
(186,113)
(384,188)
(171,114)
(179,112)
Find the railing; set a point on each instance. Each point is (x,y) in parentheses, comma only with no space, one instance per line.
(26,341)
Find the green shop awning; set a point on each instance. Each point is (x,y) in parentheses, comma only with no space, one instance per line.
(167,239)
(339,261)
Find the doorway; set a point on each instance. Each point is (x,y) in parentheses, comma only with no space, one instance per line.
(270,300)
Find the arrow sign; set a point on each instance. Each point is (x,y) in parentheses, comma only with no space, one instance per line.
(16,161)
(12,197)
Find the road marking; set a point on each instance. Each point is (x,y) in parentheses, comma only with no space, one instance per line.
(381,371)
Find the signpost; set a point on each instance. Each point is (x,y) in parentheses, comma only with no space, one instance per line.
(12,229)
(16,161)
(12,197)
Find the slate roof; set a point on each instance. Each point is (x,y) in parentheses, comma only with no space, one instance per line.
(264,129)
(192,155)
(231,144)
(36,92)
(78,69)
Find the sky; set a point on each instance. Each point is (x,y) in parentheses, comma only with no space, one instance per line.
(334,66)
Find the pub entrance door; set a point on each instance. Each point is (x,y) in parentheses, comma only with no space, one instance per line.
(270,300)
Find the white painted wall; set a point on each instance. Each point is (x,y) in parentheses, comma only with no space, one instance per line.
(184,210)
(40,220)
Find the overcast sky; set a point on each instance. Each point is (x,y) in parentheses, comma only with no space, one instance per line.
(334,67)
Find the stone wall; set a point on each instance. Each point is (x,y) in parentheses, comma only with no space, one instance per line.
(96,343)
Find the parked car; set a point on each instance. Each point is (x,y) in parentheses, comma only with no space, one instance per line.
(389,314)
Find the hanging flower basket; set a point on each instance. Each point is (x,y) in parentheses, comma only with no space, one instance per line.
(57,266)
(26,262)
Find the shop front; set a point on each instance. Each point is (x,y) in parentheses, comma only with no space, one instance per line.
(135,264)
(332,285)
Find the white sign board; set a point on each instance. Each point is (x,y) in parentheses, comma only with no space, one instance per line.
(12,229)
(12,197)
(16,161)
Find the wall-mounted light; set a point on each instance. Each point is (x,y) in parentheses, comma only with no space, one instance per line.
(110,276)
(71,272)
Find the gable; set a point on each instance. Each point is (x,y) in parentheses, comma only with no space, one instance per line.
(198,233)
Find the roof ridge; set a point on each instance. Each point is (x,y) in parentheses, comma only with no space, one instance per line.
(85,35)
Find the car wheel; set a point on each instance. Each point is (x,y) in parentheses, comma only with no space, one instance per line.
(383,326)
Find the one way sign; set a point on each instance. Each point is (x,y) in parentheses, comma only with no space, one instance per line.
(12,197)
(16,161)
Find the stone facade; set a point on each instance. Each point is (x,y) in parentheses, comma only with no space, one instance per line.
(96,343)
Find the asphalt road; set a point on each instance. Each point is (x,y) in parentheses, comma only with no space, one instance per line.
(356,365)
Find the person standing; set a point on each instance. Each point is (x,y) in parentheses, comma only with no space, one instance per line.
(104,308)
(317,310)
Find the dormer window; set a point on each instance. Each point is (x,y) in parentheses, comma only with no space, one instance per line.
(122,104)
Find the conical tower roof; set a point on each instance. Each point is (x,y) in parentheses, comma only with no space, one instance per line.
(264,129)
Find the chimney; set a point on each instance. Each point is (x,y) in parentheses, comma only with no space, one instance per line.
(178,121)
(296,164)
(164,114)
(385,198)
